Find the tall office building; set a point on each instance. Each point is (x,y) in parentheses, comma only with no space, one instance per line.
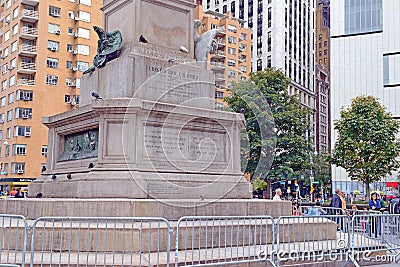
(45,46)
(282,37)
(322,77)
(322,31)
(231,62)
(365,60)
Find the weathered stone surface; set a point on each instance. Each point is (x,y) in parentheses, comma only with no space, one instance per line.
(172,209)
(158,133)
(149,78)
(164,23)
(147,151)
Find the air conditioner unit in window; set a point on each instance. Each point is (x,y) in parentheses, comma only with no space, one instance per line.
(75,52)
(76,35)
(58,32)
(27,134)
(73,84)
(20,171)
(55,15)
(10,68)
(24,116)
(3,56)
(25,98)
(8,21)
(73,103)
(75,69)
(53,49)
(76,18)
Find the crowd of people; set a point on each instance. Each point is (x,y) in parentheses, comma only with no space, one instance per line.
(338,211)
(14,193)
(338,201)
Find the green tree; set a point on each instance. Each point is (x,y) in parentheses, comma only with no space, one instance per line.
(366,146)
(276,135)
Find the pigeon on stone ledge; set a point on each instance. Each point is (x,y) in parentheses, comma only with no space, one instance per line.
(184,49)
(96,95)
(142,39)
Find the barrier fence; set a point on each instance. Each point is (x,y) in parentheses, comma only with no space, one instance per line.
(310,238)
(13,238)
(100,241)
(200,240)
(214,240)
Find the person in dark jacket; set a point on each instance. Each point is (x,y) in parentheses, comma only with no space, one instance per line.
(336,203)
(336,200)
(375,206)
(19,194)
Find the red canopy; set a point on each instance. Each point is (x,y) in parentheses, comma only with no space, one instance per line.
(392,184)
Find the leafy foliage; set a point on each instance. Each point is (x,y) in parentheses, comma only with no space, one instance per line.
(366,146)
(258,184)
(276,134)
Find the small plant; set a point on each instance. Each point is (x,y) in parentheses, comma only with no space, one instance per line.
(258,184)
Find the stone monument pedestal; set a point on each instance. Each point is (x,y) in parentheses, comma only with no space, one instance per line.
(154,133)
(144,151)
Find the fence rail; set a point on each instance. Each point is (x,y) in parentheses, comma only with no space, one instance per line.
(13,238)
(214,240)
(200,240)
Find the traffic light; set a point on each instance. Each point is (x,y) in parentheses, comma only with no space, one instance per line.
(312,189)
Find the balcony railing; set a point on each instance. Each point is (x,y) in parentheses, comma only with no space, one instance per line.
(217,65)
(221,42)
(219,76)
(29,15)
(28,48)
(30,31)
(26,82)
(27,66)
(218,54)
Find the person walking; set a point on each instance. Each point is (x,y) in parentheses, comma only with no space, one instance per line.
(336,204)
(336,200)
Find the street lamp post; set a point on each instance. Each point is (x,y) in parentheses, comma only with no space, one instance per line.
(311,177)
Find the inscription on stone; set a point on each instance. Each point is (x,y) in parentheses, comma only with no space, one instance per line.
(183,84)
(185,144)
(80,145)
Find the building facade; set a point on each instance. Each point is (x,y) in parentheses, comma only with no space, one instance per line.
(283,38)
(232,60)
(45,46)
(365,60)
(322,122)
(322,77)
(322,32)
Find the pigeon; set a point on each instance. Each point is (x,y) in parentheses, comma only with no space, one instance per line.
(172,60)
(142,39)
(96,95)
(184,49)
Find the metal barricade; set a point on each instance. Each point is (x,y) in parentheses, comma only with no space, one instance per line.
(100,241)
(318,210)
(312,238)
(374,233)
(13,237)
(220,240)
